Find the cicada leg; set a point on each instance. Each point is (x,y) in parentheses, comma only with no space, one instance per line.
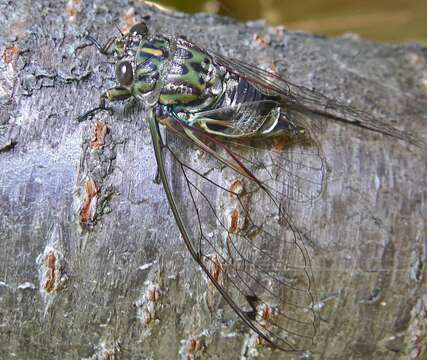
(263,118)
(164,140)
(163,119)
(103,49)
(113,94)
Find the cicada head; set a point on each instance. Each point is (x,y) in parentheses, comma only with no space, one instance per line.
(139,58)
(124,51)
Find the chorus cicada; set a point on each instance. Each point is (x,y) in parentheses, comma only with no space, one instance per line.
(237,161)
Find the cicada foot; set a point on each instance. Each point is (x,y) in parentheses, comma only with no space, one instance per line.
(114,94)
(100,107)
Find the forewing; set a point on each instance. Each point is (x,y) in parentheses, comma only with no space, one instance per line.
(239,232)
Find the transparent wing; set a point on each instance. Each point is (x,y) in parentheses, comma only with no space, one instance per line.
(238,230)
(297,174)
(291,172)
(302,98)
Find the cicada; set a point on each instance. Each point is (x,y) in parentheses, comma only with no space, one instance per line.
(238,160)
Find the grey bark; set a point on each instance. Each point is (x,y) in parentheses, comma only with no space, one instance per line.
(122,285)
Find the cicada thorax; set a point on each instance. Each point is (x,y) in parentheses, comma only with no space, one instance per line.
(193,82)
(151,57)
(186,82)
(182,74)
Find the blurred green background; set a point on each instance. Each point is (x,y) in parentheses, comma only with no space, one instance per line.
(380,20)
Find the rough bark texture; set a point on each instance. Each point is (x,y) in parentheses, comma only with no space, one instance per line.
(123,286)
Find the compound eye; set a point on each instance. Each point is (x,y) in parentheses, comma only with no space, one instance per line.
(124,73)
(139,29)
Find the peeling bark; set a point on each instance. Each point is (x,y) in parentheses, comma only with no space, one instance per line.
(92,265)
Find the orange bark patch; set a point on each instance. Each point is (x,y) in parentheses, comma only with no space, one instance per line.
(236,188)
(216,269)
(73,8)
(285,141)
(266,314)
(262,41)
(10,54)
(234,221)
(280,144)
(98,139)
(51,268)
(193,345)
(89,201)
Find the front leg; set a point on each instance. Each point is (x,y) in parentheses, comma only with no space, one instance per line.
(114,94)
(103,49)
(161,118)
